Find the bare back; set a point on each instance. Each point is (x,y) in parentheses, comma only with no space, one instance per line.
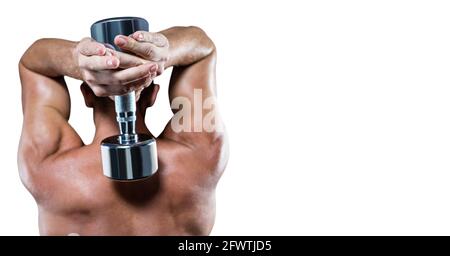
(78,199)
(65,176)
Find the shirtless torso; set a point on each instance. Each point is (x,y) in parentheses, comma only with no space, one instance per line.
(65,176)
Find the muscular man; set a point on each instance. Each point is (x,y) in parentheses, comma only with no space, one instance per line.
(64,175)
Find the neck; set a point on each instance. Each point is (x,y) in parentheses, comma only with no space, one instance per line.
(106,124)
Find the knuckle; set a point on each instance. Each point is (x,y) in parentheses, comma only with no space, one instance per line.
(83,43)
(84,40)
(88,78)
(110,52)
(131,44)
(90,66)
(146,34)
(149,52)
(160,39)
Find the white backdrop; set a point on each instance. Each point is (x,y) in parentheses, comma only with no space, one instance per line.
(337,111)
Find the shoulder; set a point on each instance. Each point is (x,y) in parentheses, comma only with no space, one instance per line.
(208,155)
(42,175)
(46,134)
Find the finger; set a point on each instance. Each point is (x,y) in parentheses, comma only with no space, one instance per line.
(143,49)
(110,52)
(154,38)
(125,60)
(98,63)
(115,77)
(89,47)
(99,90)
(128,60)
(138,94)
(140,84)
(109,89)
(135,73)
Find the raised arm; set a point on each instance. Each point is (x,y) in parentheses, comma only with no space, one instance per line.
(192,89)
(193,84)
(45,98)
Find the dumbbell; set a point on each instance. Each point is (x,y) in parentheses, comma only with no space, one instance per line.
(127,156)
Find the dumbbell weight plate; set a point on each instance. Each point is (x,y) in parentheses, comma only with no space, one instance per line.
(132,161)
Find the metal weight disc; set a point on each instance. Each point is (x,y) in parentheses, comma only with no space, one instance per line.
(132,161)
(104,31)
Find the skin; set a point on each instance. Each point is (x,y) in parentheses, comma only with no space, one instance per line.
(64,175)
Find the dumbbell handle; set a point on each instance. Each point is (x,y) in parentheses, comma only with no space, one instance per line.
(105,31)
(126,116)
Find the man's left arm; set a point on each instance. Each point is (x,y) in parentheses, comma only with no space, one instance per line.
(45,99)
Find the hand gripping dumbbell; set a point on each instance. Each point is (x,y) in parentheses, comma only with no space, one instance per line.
(127,156)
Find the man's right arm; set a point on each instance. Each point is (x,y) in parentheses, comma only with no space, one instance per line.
(192,54)
(195,130)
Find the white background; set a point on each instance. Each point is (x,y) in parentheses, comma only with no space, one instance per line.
(337,111)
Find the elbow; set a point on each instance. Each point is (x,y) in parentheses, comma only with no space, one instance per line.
(203,39)
(24,60)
